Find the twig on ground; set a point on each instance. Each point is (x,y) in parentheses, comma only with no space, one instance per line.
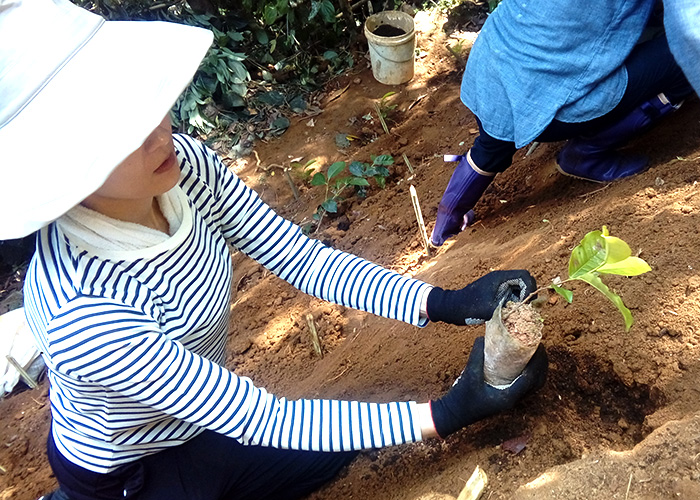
(418,99)
(475,486)
(257,158)
(381,118)
(532,148)
(292,186)
(629,483)
(339,375)
(408,163)
(314,334)
(586,195)
(419,218)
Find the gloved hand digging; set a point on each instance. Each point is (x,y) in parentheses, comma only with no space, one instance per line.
(471,399)
(476,302)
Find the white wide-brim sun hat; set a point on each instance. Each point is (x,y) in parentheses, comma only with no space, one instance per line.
(79,94)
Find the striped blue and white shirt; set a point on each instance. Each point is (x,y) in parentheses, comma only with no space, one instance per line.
(134,340)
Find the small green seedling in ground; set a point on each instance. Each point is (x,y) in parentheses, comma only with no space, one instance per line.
(384,106)
(599,254)
(358,178)
(303,170)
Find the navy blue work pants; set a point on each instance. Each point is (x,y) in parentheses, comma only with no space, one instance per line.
(651,70)
(208,467)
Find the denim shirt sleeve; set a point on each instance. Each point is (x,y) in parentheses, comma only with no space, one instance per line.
(535,60)
(682,22)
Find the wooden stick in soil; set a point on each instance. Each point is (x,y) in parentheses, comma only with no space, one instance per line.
(27,378)
(532,148)
(314,335)
(381,118)
(629,483)
(475,486)
(293,186)
(419,218)
(408,163)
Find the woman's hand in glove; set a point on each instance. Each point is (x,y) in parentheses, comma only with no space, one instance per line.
(476,302)
(471,399)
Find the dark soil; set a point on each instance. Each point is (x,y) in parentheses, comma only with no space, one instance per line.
(388,30)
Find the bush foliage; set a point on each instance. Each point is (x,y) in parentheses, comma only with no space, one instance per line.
(301,43)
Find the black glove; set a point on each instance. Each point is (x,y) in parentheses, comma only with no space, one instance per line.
(470,399)
(476,302)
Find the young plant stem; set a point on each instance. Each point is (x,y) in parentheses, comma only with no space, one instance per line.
(543,288)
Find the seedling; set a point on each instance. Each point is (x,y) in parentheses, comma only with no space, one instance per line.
(596,255)
(303,170)
(384,106)
(358,178)
(514,331)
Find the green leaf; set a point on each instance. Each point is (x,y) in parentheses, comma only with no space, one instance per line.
(261,36)
(382,171)
(272,98)
(298,104)
(594,280)
(588,255)
(340,184)
(335,169)
(283,6)
(330,206)
(357,169)
(619,260)
(319,179)
(383,160)
(567,294)
(239,71)
(381,181)
(281,123)
(238,89)
(329,55)
(358,181)
(327,11)
(315,8)
(270,14)
(631,266)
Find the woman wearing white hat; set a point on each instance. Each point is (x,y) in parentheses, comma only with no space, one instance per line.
(128,292)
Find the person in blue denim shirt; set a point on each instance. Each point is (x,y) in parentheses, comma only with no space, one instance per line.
(682,20)
(550,70)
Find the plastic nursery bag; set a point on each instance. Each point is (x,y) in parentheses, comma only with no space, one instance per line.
(16,340)
(512,336)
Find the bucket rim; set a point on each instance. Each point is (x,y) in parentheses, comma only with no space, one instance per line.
(385,13)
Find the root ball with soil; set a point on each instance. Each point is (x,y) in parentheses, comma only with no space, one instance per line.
(512,336)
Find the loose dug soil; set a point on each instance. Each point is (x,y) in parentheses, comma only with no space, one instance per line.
(617,416)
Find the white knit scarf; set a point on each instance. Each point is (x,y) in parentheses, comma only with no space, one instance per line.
(88,228)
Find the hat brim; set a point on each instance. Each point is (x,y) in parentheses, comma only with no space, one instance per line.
(98,109)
